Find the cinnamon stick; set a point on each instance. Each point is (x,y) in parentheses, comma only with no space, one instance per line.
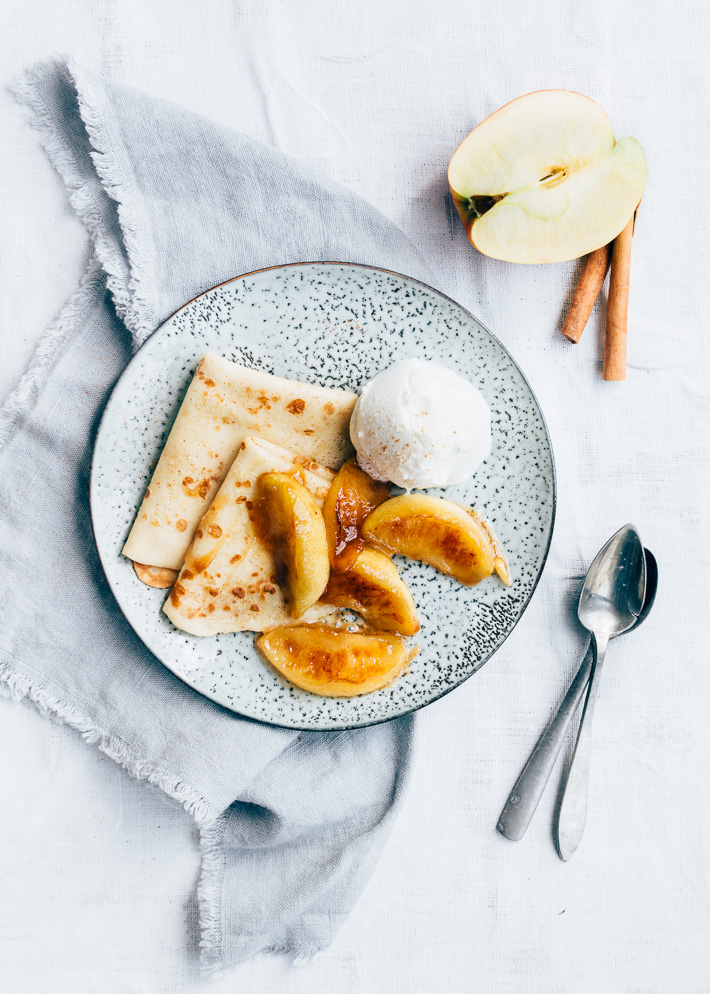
(588,288)
(618,305)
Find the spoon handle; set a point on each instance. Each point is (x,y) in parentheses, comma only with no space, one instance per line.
(525,795)
(572,815)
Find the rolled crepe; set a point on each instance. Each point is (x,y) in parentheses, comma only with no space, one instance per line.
(228,582)
(224,403)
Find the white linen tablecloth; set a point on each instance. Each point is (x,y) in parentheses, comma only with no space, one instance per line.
(377,95)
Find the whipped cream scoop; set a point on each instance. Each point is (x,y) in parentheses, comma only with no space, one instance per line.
(419,424)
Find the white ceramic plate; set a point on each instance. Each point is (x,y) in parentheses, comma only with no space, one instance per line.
(337,325)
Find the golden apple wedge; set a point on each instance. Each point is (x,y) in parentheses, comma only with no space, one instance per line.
(290,521)
(434,531)
(373,587)
(333,662)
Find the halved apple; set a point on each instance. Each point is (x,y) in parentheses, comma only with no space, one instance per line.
(352,495)
(373,587)
(334,662)
(544,180)
(436,532)
(290,521)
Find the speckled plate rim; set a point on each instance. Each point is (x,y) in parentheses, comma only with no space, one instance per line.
(336,727)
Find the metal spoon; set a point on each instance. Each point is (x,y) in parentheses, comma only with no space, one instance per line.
(529,787)
(610,602)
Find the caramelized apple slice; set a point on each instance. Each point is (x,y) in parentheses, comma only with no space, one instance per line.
(374,588)
(500,564)
(352,495)
(434,530)
(291,522)
(333,662)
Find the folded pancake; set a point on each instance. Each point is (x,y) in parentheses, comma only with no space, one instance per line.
(228,582)
(224,403)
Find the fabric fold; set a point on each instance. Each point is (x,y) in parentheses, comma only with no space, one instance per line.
(291,825)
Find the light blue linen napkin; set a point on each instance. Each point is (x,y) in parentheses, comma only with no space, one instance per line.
(291,824)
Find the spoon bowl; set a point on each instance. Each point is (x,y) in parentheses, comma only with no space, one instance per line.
(651,587)
(613,594)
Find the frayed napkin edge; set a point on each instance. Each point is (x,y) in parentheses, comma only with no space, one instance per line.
(48,351)
(123,279)
(21,688)
(209,891)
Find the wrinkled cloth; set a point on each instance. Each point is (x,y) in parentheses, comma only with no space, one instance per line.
(291,824)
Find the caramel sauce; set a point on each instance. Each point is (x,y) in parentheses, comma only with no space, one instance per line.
(296,473)
(352,496)
(198,564)
(201,489)
(266,532)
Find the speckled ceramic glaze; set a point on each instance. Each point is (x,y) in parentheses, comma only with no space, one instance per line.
(336,325)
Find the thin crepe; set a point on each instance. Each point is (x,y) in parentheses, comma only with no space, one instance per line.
(224,403)
(228,582)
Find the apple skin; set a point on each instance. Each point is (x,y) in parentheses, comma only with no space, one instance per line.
(543,179)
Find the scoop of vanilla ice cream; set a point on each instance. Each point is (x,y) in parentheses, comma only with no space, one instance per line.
(418,424)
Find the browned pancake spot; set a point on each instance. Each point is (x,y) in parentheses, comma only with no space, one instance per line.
(176,593)
(155,576)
